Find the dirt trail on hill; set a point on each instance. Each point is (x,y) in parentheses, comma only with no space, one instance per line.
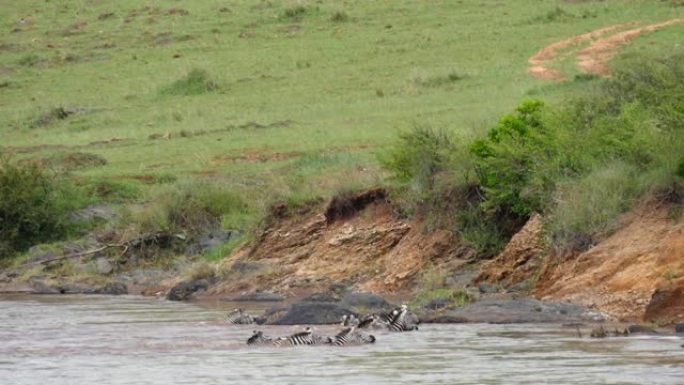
(594,59)
(538,63)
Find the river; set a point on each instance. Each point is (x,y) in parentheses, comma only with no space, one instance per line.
(46,340)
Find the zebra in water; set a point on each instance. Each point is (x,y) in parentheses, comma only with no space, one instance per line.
(349,336)
(349,320)
(239,317)
(396,320)
(302,338)
(368,321)
(258,338)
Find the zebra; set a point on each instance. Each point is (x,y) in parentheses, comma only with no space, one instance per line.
(302,338)
(396,321)
(258,338)
(368,321)
(349,336)
(239,317)
(349,320)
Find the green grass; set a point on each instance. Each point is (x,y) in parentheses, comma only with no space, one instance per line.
(271,100)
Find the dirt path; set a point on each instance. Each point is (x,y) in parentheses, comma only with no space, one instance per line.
(594,59)
(538,63)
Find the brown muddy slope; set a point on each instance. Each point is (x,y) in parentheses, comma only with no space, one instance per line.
(636,274)
(368,247)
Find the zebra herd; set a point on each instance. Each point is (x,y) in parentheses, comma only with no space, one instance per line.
(396,320)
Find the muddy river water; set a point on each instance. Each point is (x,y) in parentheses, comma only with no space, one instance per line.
(132,340)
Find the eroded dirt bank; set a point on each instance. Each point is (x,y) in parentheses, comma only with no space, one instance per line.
(636,274)
(359,244)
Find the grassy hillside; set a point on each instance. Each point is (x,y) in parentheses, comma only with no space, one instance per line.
(272,99)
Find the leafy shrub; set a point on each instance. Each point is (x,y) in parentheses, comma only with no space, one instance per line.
(34,207)
(195,208)
(339,17)
(516,162)
(295,12)
(581,164)
(196,82)
(419,156)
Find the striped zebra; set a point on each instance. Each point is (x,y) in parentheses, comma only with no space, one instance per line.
(349,336)
(239,317)
(368,321)
(303,338)
(258,338)
(397,322)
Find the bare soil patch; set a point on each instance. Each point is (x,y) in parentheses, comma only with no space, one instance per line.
(594,59)
(539,62)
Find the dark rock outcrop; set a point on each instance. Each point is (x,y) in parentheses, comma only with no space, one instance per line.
(368,301)
(260,296)
(184,290)
(640,329)
(312,313)
(113,288)
(679,328)
(514,311)
(39,286)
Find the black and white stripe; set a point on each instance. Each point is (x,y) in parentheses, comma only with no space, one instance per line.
(349,336)
(397,322)
(368,322)
(303,338)
(258,338)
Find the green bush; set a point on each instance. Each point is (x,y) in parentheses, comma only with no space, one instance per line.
(419,156)
(195,208)
(516,162)
(34,207)
(581,163)
(196,82)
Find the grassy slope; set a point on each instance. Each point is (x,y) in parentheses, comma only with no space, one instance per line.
(323,77)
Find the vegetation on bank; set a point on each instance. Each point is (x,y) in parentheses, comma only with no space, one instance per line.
(202,117)
(579,163)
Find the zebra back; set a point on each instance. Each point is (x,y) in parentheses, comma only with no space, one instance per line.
(258,338)
(303,338)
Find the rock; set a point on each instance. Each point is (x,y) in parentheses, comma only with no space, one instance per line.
(261,296)
(521,258)
(113,288)
(103,266)
(514,311)
(667,303)
(367,301)
(313,313)
(640,329)
(438,303)
(321,297)
(679,328)
(37,254)
(94,212)
(460,279)
(75,288)
(210,241)
(184,290)
(486,288)
(216,238)
(246,268)
(40,287)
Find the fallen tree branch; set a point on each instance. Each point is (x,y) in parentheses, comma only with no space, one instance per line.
(77,255)
(136,242)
